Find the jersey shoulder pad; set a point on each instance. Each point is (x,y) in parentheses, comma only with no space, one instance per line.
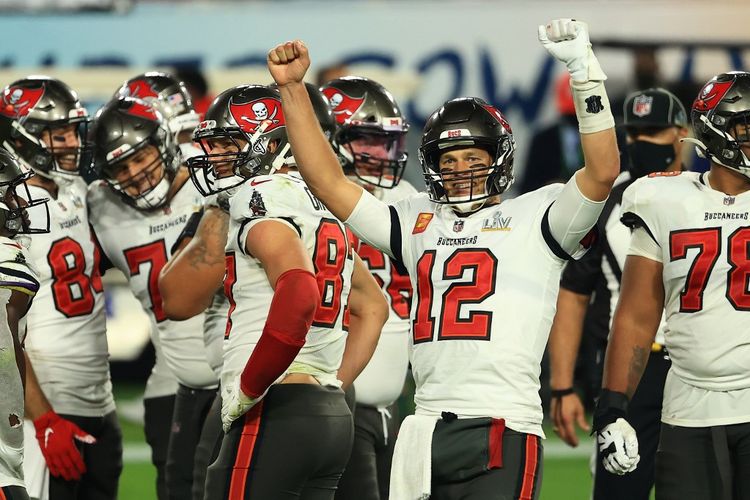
(645,199)
(272,196)
(402,190)
(16,271)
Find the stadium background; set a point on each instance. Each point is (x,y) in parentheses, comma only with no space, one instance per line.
(425,52)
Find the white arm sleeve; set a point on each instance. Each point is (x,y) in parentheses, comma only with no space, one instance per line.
(643,245)
(371,222)
(572,216)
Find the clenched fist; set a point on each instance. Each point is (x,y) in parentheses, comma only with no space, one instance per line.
(288,62)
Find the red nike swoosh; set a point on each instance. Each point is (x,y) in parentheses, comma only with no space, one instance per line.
(255,182)
(14,245)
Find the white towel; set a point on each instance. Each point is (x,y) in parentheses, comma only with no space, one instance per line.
(411,472)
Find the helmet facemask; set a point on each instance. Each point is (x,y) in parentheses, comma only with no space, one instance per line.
(474,185)
(230,158)
(148,188)
(21,212)
(41,145)
(374,156)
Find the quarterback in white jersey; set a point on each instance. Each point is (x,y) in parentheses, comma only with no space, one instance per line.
(138,211)
(18,285)
(68,390)
(485,274)
(689,253)
(370,141)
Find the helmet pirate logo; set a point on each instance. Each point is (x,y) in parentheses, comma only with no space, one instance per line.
(141,89)
(251,114)
(499,116)
(142,111)
(344,106)
(18,101)
(711,95)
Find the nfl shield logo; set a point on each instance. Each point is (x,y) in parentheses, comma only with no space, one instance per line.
(729,200)
(458,226)
(642,105)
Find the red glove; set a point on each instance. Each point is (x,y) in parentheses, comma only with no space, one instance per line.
(56,439)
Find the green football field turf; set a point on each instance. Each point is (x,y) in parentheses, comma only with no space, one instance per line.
(565,477)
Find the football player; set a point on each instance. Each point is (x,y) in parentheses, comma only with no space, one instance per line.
(138,210)
(292,281)
(170,96)
(69,398)
(689,256)
(655,123)
(371,145)
(18,285)
(485,274)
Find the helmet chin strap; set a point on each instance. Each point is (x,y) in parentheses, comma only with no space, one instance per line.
(703,152)
(156,196)
(468,206)
(280,159)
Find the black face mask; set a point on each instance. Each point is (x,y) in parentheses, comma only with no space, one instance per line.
(646,157)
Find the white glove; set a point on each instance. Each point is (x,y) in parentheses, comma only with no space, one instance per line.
(234,403)
(568,41)
(618,447)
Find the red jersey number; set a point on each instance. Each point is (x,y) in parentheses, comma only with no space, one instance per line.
(154,255)
(329,257)
(72,290)
(478,324)
(229,280)
(708,243)
(398,287)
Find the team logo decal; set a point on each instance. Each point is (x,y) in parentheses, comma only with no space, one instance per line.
(423,220)
(343,105)
(257,207)
(140,89)
(499,116)
(251,114)
(458,226)
(18,101)
(642,105)
(141,110)
(711,95)
(594,104)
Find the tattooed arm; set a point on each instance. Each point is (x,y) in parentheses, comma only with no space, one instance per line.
(195,271)
(634,324)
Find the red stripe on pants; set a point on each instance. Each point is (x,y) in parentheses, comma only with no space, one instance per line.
(245,448)
(530,468)
(497,428)
(2,495)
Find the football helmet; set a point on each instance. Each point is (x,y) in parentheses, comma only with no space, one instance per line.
(129,131)
(721,120)
(43,123)
(371,136)
(20,212)
(168,95)
(465,123)
(244,135)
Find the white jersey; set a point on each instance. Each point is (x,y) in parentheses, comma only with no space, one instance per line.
(139,243)
(214,327)
(702,237)
(485,289)
(66,325)
(286,199)
(15,275)
(382,380)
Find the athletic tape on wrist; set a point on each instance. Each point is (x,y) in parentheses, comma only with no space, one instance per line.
(592,107)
